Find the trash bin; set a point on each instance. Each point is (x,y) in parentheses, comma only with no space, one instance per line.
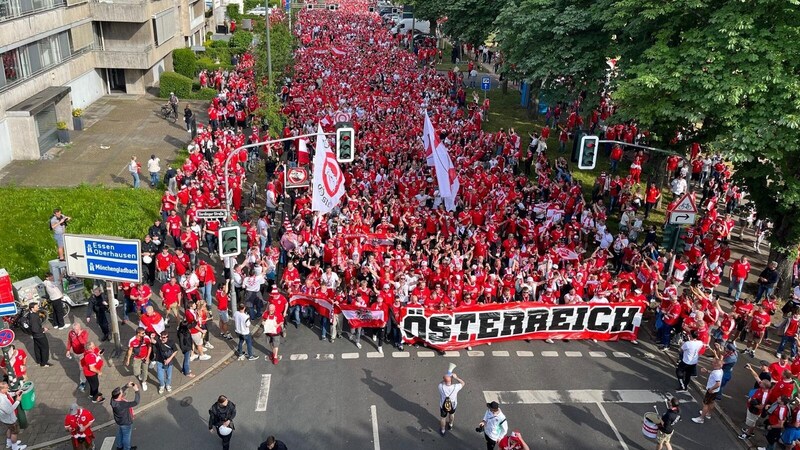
(28,396)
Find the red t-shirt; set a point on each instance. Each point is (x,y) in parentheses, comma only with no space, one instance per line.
(83,418)
(77,341)
(170,293)
(92,358)
(222,300)
(142,344)
(18,363)
(760,322)
(278,318)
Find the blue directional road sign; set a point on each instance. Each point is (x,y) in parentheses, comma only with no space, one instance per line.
(288,5)
(103,258)
(486,83)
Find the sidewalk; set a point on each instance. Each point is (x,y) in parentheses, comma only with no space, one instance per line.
(115,128)
(56,386)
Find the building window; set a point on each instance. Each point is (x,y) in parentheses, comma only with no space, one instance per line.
(164,26)
(16,8)
(29,60)
(12,66)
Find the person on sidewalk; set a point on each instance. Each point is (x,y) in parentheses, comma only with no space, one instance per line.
(220,419)
(667,424)
(448,401)
(222,309)
(8,416)
(140,347)
(755,406)
(272,444)
(164,352)
(687,366)
(713,385)
(78,424)
(92,368)
(58,223)
(41,348)
(123,415)
(494,425)
(154,167)
(133,169)
(98,304)
(273,326)
(57,300)
(19,361)
(185,343)
(241,322)
(77,338)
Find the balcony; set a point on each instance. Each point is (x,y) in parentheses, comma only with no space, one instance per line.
(120,10)
(132,58)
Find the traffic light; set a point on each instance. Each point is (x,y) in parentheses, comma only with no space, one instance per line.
(345,144)
(229,242)
(587,152)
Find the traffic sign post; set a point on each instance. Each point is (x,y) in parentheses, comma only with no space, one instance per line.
(6,337)
(211,214)
(685,211)
(229,242)
(486,84)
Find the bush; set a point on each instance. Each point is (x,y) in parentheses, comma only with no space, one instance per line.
(185,62)
(177,83)
(241,39)
(208,64)
(204,94)
(232,10)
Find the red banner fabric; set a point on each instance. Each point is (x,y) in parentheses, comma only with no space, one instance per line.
(481,324)
(357,317)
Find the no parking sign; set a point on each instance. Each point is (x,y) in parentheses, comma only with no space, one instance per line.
(6,337)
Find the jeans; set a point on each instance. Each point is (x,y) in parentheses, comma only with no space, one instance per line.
(186,362)
(161,371)
(735,285)
(294,314)
(123,439)
(665,334)
(153,178)
(211,241)
(614,163)
(764,291)
(326,327)
(792,341)
(242,339)
(135,176)
(206,293)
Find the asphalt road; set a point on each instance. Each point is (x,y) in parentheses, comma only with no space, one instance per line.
(569,395)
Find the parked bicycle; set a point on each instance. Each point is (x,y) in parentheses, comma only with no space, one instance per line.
(168,113)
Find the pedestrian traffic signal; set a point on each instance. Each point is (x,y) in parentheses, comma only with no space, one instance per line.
(345,144)
(587,152)
(229,242)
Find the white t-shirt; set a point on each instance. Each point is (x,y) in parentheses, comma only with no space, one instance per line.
(153,165)
(242,321)
(714,377)
(691,351)
(449,391)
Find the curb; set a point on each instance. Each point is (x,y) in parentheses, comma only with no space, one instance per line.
(226,359)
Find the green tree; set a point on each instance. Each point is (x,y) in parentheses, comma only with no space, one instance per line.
(471,21)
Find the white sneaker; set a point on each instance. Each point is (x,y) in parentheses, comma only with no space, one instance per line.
(161,389)
(144,386)
(358,344)
(380,349)
(152,364)
(698,419)
(209,346)
(18,446)
(204,357)
(549,341)
(469,348)
(169,388)
(241,357)
(193,357)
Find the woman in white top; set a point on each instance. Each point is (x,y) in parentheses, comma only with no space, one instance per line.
(133,168)
(154,168)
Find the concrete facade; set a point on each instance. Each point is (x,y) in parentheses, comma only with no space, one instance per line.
(93,47)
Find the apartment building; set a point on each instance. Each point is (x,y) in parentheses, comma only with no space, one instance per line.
(58,55)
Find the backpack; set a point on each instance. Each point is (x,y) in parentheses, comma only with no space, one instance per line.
(447,406)
(24,322)
(50,223)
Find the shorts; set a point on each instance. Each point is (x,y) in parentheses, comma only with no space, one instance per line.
(756,335)
(13,428)
(444,413)
(710,398)
(197,339)
(223,315)
(751,419)
(275,340)
(663,438)
(59,238)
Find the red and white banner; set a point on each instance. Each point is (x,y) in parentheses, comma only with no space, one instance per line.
(336,51)
(363,317)
(328,179)
(436,155)
(322,305)
(371,242)
(496,322)
(341,116)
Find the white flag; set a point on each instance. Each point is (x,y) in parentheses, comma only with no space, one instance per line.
(446,174)
(328,180)
(429,140)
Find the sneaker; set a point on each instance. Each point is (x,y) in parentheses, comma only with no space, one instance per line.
(204,357)
(152,364)
(442,432)
(47,365)
(745,436)
(488,343)
(358,344)
(193,357)
(169,388)
(275,360)
(64,327)
(681,389)
(161,389)
(251,358)
(144,387)
(549,341)
(97,400)
(664,349)
(450,426)
(469,348)
(698,420)
(21,446)
(635,342)
(209,346)
(380,349)
(400,347)
(82,387)
(241,358)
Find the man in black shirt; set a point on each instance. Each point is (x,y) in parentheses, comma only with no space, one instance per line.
(767,280)
(220,417)
(149,251)
(668,420)
(272,444)
(41,347)
(123,416)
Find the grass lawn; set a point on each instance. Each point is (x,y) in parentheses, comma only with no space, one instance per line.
(27,244)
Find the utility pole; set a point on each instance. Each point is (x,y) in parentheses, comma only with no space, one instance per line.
(269,46)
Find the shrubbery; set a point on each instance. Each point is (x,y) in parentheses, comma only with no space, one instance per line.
(177,83)
(185,62)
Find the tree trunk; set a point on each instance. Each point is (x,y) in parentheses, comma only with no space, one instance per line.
(778,253)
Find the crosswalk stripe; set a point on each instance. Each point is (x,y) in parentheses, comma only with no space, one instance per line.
(597,354)
(263,393)
(532,397)
(425,354)
(452,354)
(350,355)
(573,354)
(550,354)
(499,353)
(298,357)
(108,443)
(401,354)
(621,354)
(524,353)
(475,353)
(324,356)
(374,355)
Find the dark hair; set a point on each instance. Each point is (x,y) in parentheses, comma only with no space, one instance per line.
(221,399)
(270,440)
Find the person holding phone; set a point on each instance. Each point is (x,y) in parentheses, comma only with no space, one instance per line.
(494,425)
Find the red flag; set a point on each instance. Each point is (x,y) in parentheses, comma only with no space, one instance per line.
(303,157)
(363,317)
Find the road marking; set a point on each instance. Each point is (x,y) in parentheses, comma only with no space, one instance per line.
(298,357)
(452,354)
(325,356)
(401,354)
(597,354)
(108,443)
(426,354)
(536,397)
(499,353)
(474,353)
(263,393)
(375,437)
(573,354)
(350,355)
(621,354)
(550,353)
(613,427)
(524,353)
(374,355)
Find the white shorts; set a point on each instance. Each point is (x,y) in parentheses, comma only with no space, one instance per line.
(751,419)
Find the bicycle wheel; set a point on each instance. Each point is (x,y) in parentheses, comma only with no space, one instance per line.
(66,310)
(173,116)
(165,112)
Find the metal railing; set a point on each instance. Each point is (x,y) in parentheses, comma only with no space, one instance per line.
(7,12)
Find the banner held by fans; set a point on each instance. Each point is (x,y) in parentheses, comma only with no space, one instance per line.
(328,179)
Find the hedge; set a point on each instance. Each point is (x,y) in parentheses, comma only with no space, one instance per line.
(209,64)
(204,94)
(184,61)
(177,83)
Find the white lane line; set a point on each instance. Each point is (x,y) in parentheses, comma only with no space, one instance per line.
(452,354)
(613,427)
(621,354)
(525,353)
(263,393)
(426,354)
(550,353)
(325,356)
(374,355)
(401,354)
(375,437)
(298,357)
(499,353)
(350,355)
(108,443)
(597,354)
(573,354)
(535,397)
(474,353)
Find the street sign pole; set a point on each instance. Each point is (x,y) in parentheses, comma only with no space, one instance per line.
(114,321)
